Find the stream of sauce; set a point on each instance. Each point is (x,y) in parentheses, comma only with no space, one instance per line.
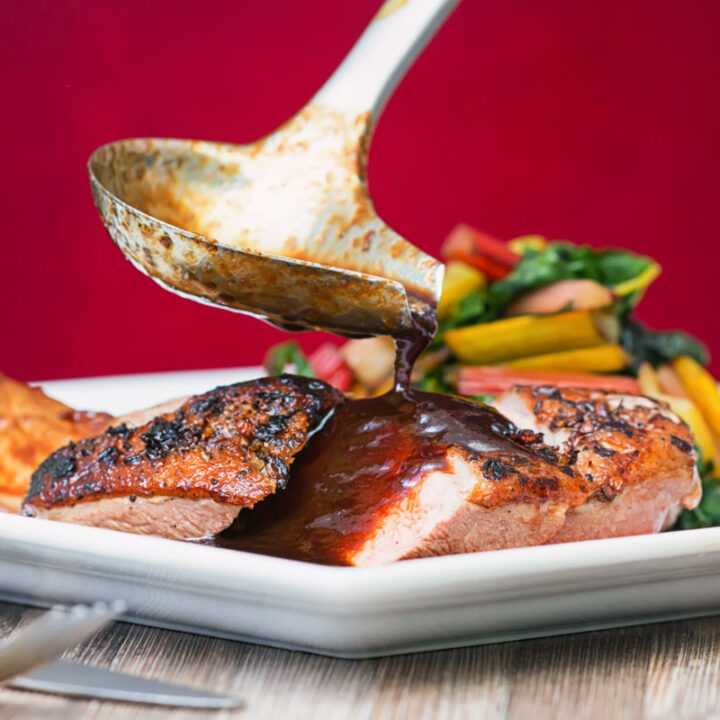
(366,457)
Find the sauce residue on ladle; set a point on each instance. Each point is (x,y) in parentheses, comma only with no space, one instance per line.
(367,455)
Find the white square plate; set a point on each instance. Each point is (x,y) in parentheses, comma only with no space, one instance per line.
(349,612)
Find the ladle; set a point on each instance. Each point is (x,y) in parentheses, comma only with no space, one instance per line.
(283,228)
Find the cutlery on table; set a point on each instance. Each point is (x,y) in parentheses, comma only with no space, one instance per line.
(28,661)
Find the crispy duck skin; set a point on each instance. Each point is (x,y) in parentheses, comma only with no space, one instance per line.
(232,446)
(32,425)
(635,454)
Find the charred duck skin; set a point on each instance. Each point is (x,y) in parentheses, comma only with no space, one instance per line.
(217,453)
(636,456)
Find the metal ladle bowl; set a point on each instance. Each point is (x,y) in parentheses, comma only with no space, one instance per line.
(283,228)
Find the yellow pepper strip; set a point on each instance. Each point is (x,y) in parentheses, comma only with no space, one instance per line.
(502,340)
(460,280)
(702,388)
(599,359)
(650,385)
(527,242)
(639,282)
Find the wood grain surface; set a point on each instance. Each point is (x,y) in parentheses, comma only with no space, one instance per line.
(667,670)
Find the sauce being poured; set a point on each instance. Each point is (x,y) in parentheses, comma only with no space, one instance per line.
(366,458)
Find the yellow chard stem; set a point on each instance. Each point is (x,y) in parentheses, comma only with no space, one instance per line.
(702,388)
(502,340)
(600,359)
(639,282)
(460,280)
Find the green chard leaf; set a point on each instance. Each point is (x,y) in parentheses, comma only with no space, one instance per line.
(566,261)
(657,348)
(434,381)
(471,309)
(707,513)
(284,354)
(485,399)
(617,266)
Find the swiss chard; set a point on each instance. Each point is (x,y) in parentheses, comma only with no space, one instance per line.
(657,348)
(434,380)
(284,354)
(471,309)
(539,268)
(565,261)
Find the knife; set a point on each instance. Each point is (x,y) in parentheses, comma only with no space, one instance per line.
(64,677)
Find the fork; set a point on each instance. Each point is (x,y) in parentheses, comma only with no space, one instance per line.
(47,637)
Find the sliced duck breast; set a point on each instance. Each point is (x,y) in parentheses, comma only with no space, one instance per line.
(187,473)
(635,454)
(389,480)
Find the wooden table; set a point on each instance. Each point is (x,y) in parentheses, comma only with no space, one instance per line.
(668,670)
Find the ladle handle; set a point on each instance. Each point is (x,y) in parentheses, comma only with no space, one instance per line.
(368,75)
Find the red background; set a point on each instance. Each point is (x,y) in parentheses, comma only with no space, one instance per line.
(595,121)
